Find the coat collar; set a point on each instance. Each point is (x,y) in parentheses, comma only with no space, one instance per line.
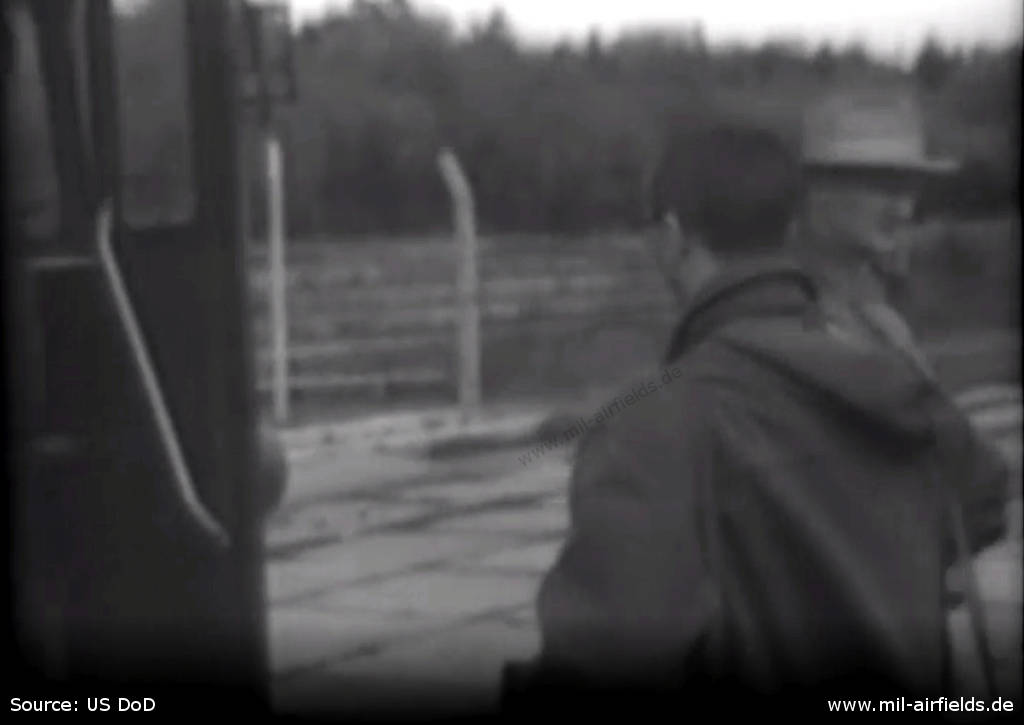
(748,289)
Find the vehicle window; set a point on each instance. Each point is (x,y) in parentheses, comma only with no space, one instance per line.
(29,151)
(153,93)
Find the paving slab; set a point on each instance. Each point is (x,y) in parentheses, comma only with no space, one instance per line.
(549,478)
(467,658)
(344,520)
(339,470)
(387,553)
(437,593)
(302,638)
(351,473)
(521,521)
(460,495)
(459,437)
(533,559)
(292,580)
(408,425)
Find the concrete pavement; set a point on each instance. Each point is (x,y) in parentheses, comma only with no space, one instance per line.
(421,583)
(432,587)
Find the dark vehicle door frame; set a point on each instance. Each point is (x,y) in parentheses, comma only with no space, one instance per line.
(208,384)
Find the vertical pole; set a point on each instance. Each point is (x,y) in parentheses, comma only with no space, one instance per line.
(468,286)
(274,219)
(278,277)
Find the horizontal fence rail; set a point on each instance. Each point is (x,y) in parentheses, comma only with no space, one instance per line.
(381,315)
(378,316)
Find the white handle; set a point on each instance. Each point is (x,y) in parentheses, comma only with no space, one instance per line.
(154,395)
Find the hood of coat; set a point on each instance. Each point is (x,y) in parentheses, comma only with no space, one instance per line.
(771,314)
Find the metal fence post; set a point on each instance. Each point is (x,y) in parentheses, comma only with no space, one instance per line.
(468,283)
(278,276)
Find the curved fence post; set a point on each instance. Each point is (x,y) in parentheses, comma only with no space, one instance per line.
(468,283)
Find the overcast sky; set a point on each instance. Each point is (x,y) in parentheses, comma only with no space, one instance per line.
(888,26)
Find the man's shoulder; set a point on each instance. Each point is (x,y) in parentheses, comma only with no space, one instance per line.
(670,384)
(664,406)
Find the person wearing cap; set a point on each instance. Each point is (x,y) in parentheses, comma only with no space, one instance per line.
(764,521)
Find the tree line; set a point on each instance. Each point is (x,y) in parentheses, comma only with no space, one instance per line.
(557,139)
